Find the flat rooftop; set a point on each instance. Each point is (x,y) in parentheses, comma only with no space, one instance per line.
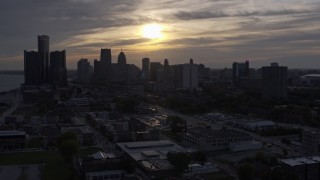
(11,133)
(147,149)
(301,161)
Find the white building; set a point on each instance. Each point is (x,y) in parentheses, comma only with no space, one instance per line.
(187,76)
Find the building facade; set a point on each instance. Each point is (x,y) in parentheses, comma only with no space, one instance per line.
(274,82)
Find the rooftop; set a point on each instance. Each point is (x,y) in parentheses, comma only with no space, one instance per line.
(11,133)
(301,161)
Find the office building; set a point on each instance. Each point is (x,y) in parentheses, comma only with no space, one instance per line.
(145,68)
(274,82)
(186,76)
(12,140)
(303,168)
(40,69)
(105,56)
(58,75)
(213,139)
(84,71)
(122,60)
(154,67)
(239,70)
(310,143)
(151,156)
(32,68)
(102,68)
(43,50)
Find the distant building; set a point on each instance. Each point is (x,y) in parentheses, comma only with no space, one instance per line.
(310,143)
(154,67)
(239,70)
(32,68)
(308,80)
(43,67)
(12,140)
(100,165)
(105,56)
(133,73)
(122,60)
(145,68)
(165,73)
(43,50)
(84,71)
(58,68)
(102,68)
(304,168)
(274,82)
(210,139)
(186,76)
(151,156)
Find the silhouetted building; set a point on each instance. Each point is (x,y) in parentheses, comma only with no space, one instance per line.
(84,71)
(186,75)
(122,58)
(12,140)
(165,73)
(32,68)
(274,82)
(105,56)
(39,69)
(154,67)
(239,70)
(133,73)
(43,50)
(310,143)
(145,68)
(58,68)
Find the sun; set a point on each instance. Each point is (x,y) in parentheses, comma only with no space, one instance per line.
(152,31)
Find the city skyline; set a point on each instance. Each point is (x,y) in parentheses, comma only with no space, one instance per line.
(215,33)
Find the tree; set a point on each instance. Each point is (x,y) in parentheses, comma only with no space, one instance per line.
(68,145)
(245,171)
(179,160)
(176,124)
(200,157)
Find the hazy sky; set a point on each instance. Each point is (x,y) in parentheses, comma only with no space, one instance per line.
(212,32)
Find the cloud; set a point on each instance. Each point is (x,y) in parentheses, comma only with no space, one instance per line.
(184,15)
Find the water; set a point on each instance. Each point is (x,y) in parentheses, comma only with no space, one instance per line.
(9,82)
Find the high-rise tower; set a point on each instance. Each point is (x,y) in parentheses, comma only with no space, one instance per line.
(105,56)
(43,50)
(122,58)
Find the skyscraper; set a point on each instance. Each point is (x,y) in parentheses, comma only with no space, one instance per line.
(186,75)
(84,71)
(274,82)
(122,58)
(145,68)
(105,56)
(58,70)
(240,70)
(43,50)
(32,68)
(154,67)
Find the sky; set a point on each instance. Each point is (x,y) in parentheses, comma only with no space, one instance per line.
(212,32)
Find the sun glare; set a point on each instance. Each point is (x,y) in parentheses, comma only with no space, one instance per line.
(152,31)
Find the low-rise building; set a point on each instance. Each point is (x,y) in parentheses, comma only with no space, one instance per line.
(213,139)
(310,143)
(151,156)
(100,166)
(304,168)
(12,140)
